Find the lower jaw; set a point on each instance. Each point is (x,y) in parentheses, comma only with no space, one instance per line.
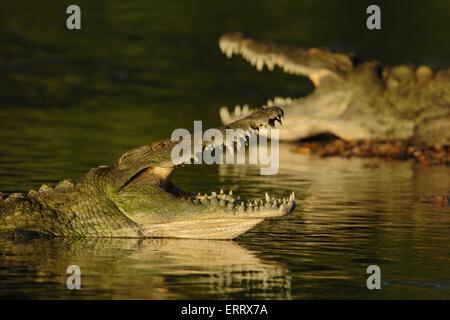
(213,229)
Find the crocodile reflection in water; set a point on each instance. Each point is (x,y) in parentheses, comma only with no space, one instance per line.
(149,268)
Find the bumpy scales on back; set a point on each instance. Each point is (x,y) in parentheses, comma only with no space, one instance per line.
(135,198)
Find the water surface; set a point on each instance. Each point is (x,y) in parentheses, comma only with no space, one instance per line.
(70,101)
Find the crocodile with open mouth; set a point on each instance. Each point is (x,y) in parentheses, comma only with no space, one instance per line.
(135,198)
(353,100)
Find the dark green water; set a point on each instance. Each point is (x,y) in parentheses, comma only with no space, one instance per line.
(137,70)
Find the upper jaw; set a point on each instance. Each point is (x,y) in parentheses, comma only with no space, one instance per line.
(164,211)
(263,54)
(245,127)
(227,116)
(315,63)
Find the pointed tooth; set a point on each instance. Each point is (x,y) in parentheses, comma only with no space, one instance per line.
(279,100)
(245,109)
(225,115)
(292,197)
(230,193)
(237,110)
(267,197)
(283,209)
(259,65)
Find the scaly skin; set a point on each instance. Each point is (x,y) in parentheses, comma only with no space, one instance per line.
(135,198)
(353,100)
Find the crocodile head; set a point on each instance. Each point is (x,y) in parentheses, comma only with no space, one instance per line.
(352,100)
(136,198)
(144,192)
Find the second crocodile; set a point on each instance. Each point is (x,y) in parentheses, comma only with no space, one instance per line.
(353,100)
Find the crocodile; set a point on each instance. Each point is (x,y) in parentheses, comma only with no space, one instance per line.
(352,99)
(135,198)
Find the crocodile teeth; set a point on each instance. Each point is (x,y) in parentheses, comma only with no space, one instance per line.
(259,59)
(283,209)
(260,65)
(229,52)
(237,111)
(225,115)
(237,206)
